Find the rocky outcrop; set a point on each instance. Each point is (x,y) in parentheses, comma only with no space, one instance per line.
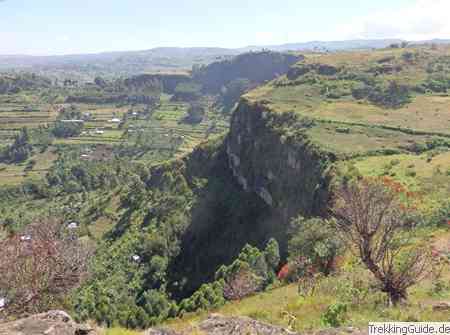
(221,325)
(50,323)
(161,332)
(217,324)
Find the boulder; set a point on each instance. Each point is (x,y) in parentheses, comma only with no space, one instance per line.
(161,332)
(50,323)
(441,306)
(221,325)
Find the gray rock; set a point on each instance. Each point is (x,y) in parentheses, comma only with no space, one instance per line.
(441,306)
(160,332)
(50,323)
(221,325)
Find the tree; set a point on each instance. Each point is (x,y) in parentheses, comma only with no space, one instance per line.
(100,82)
(272,254)
(67,129)
(39,267)
(316,240)
(20,150)
(196,113)
(371,218)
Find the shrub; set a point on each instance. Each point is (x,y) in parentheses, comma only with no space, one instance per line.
(206,297)
(272,254)
(314,239)
(335,315)
(67,129)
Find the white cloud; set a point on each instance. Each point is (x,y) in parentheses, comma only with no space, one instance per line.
(423,19)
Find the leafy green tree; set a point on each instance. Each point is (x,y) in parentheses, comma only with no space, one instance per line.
(21,148)
(272,254)
(156,305)
(316,240)
(67,129)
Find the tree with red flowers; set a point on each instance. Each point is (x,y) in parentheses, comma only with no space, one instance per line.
(39,267)
(371,216)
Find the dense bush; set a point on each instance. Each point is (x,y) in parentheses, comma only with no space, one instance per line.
(196,113)
(67,129)
(316,240)
(20,150)
(334,316)
(391,96)
(208,296)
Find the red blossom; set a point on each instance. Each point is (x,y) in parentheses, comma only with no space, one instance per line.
(283,273)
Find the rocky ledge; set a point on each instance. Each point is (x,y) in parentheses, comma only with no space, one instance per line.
(221,325)
(50,323)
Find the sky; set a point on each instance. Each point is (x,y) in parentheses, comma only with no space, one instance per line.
(54,27)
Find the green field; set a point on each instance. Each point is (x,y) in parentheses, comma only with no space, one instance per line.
(160,129)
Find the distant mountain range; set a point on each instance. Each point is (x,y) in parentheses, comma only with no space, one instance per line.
(167,58)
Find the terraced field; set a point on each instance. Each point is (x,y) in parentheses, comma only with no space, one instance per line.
(18,111)
(161,130)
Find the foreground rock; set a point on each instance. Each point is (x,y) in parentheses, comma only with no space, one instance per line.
(161,332)
(221,325)
(50,323)
(442,306)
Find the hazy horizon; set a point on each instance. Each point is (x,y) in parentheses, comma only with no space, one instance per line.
(52,28)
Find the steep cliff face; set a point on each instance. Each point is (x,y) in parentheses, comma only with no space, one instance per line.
(254,182)
(270,156)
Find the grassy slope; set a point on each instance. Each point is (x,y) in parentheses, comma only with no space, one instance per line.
(350,127)
(427,114)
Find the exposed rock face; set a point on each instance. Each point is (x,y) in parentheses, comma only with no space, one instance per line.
(50,323)
(220,325)
(160,332)
(288,174)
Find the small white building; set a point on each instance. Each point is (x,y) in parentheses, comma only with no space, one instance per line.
(99,132)
(25,238)
(136,258)
(73,225)
(115,120)
(2,303)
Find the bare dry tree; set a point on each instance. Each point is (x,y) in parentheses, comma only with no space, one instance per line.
(370,217)
(39,267)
